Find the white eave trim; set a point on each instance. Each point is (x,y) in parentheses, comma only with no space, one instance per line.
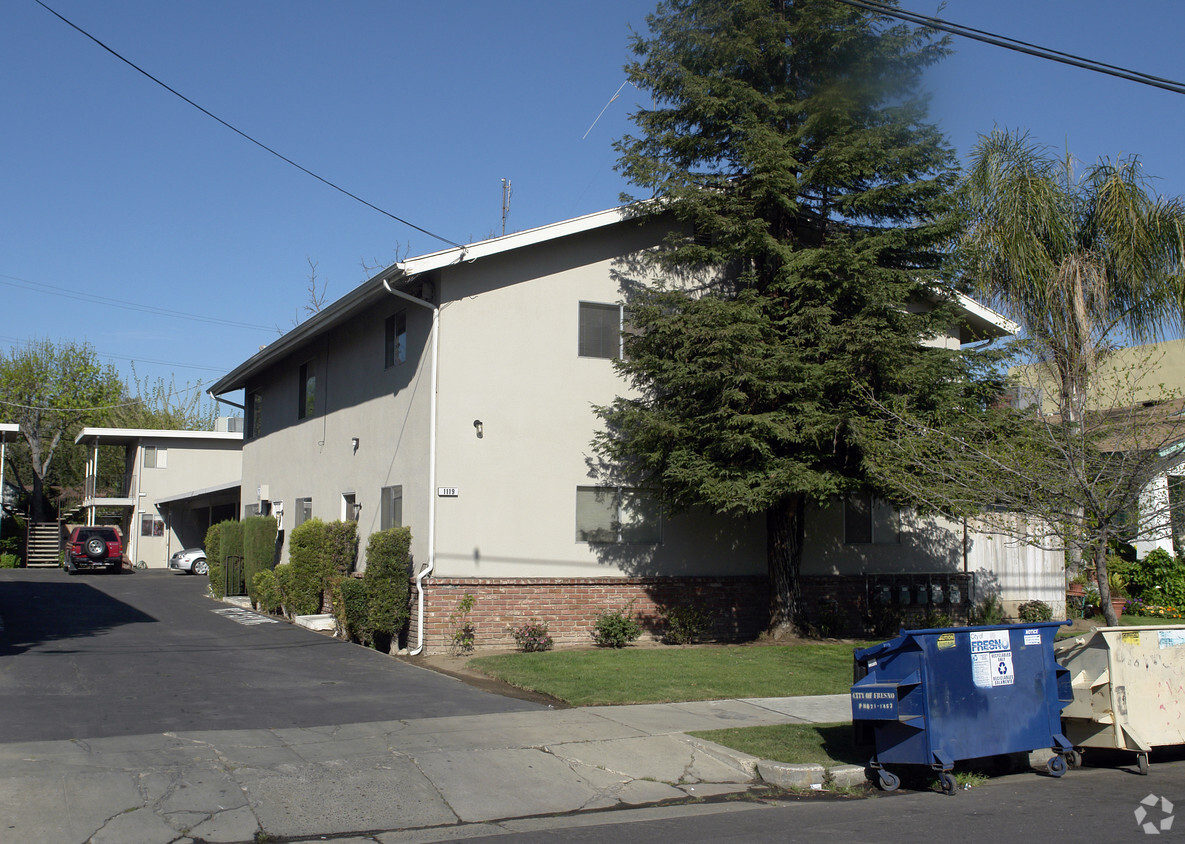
(125,435)
(985,314)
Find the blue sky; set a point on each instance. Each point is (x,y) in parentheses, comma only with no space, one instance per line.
(112,187)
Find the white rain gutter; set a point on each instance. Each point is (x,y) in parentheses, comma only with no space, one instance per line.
(427,569)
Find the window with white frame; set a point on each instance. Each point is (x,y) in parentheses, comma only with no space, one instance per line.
(350,507)
(151,525)
(391,503)
(867,520)
(600,330)
(395,342)
(155,458)
(304,511)
(617,515)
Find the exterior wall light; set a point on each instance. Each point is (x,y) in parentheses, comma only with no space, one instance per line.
(477,426)
(354,443)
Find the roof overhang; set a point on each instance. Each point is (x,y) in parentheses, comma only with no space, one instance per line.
(399,274)
(9,431)
(200,493)
(126,436)
(982,321)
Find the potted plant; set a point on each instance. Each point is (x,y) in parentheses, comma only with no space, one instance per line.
(1117,584)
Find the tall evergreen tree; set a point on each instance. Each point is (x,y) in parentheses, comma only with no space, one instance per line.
(790,138)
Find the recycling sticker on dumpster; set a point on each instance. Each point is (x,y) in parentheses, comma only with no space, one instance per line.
(991,658)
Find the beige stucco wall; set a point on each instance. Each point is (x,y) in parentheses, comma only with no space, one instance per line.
(192,464)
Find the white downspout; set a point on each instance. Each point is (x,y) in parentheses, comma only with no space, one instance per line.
(431,564)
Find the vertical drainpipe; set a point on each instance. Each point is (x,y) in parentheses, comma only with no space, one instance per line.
(431,564)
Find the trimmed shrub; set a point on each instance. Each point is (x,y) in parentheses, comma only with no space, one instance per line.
(386,580)
(308,568)
(685,624)
(350,610)
(9,561)
(232,540)
(259,548)
(341,546)
(213,545)
(532,636)
(617,628)
(266,591)
(1031,611)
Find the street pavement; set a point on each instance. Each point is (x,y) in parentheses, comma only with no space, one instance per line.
(456,764)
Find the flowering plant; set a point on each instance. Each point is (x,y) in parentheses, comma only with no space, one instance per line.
(532,636)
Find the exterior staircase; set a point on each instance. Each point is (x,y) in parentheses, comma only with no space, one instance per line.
(44,545)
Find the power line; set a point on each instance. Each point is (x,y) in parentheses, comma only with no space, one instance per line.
(241,133)
(17,341)
(65,292)
(1017,45)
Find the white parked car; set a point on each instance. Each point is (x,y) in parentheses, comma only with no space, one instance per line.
(192,560)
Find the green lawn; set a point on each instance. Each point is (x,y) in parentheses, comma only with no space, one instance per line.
(796,744)
(660,675)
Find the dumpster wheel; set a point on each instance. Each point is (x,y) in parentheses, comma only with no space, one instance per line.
(1142,763)
(889,781)
(947,780)
(1074,758)
(1057,765)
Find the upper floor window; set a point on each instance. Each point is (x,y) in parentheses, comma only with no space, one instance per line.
(617,515)
(155,458)
(395,345)
(867,520)
(307,400)
(600,330)
(254,415)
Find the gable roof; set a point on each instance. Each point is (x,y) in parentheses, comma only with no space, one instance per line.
(982,321)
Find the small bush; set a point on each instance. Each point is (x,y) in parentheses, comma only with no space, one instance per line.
(1031,611)
(266,591)
(685,624)
(464,635)
(216,585)
(1158,579)
(350,610)
(988,612)
(386,580)
(532,636)
(285,587)
(9,561)
(617,628)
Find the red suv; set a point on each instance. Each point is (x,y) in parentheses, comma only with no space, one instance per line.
(94,548)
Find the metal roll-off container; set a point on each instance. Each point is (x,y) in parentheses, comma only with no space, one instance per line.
(938,696)
(1128,689)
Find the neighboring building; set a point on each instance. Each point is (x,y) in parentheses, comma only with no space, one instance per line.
(453,393)
(169,488)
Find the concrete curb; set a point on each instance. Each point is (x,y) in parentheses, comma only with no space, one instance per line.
(788,776)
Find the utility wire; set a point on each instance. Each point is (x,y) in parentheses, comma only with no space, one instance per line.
(241,133)
(1016,45)
(53,289)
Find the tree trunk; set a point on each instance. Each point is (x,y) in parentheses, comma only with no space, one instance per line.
(1100,567)
(785,532)
(39,505)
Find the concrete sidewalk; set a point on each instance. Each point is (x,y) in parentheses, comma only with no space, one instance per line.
(415,780)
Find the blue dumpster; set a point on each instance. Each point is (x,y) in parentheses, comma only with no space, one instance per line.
(934,697)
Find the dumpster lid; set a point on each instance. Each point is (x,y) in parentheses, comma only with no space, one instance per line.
(899,641)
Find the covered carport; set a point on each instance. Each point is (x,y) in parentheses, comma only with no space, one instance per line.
(188,515)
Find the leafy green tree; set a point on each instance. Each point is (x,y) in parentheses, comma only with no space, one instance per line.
(790,141)
(1083,261)
(52,390)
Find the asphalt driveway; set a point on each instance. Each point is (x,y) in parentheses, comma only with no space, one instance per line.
(107,655)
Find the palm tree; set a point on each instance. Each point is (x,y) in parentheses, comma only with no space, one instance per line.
(1078,260)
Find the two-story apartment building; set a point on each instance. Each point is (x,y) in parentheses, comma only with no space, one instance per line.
(454,393)
(173,486)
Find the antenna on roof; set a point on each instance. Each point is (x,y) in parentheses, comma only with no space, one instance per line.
(506,194)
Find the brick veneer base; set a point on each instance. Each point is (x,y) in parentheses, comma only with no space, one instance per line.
(570,606)
(738,606)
